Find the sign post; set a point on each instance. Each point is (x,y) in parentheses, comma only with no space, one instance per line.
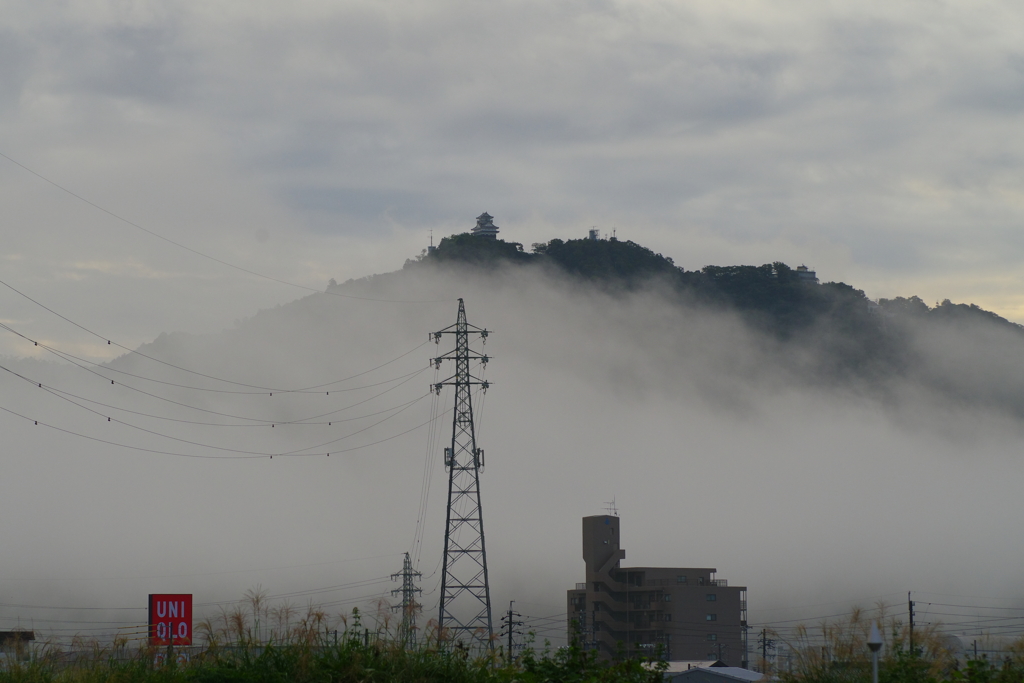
(170,619)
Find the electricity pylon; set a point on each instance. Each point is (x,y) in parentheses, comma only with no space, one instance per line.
(409,606)
(465,614)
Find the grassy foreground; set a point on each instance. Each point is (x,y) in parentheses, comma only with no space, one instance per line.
(349,660)
(837,652)
(259,644)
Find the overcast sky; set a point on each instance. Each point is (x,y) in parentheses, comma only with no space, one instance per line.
(878,143)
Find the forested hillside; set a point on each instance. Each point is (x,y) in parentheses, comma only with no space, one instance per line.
(825,332)
(769,295)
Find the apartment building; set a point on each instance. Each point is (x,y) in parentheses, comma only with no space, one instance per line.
(685,613)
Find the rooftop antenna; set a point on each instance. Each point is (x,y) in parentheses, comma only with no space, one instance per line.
(610,508)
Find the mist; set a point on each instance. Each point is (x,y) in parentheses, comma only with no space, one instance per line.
(720,445)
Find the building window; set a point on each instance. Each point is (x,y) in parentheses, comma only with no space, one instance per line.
(668,617)
(712,617)
(711,597)
(668,597)
(680,578)
(712,636)
(700,580)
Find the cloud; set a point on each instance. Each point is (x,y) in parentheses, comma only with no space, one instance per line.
(878,144)
(722,447)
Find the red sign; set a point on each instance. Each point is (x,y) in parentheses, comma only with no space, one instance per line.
(170,619)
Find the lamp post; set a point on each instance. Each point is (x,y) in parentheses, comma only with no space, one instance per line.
(874,644)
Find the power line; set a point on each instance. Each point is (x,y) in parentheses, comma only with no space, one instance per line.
(67,609)
(213,258)
(193,574)
(253,422)
(244,456)
(224,448)
(975,607)
(237,417)
(262,390)
(313,591)
(825,604)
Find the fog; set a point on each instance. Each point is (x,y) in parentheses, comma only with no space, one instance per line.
(719,445)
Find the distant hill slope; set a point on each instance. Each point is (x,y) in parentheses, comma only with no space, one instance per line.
(829,332)
(771,294)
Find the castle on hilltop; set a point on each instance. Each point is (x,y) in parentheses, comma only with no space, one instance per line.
(485,226)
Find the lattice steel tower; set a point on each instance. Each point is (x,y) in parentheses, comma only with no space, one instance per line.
(409,606)
(465,615)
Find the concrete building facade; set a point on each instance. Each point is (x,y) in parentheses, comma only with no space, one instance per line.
(685,613)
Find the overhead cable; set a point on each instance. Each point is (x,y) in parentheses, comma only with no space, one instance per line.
(213,258)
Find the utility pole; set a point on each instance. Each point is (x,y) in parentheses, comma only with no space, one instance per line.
(508,627)
(409,606)
(766,644)
(910,607)
(465,609)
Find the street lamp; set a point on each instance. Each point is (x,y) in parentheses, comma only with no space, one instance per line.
(874,644)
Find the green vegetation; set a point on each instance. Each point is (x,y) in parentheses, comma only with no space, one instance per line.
(770,295)
(838,653)
(467,248)
(257,644)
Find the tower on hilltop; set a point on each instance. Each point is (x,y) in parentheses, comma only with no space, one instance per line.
(485,226)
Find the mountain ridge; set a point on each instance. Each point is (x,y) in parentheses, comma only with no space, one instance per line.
(822,333)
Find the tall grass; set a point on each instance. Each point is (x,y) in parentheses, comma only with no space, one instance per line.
(254,642)
(837,652)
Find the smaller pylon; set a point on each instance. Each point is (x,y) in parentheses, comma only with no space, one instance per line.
(510,628)
(409,608)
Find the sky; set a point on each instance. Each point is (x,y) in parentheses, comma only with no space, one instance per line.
(878,144)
